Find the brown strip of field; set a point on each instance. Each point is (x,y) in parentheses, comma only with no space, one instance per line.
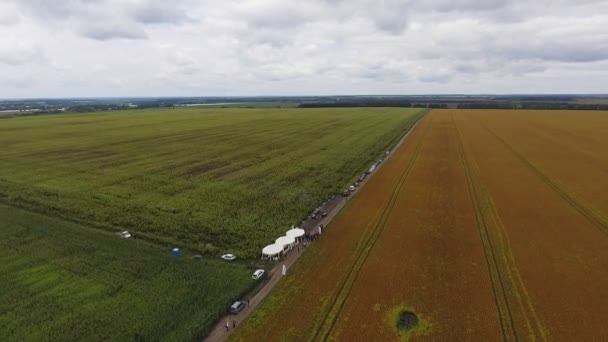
(471,227)
(430,257)
(551,249)
(560,147)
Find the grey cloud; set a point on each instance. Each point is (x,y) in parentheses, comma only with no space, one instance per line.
(54,10)
(463,5)
(466,68)
(160,12)
(19,83)
(16,55)
(560,53)
(312,46)
(435,78)
(391,21)
(8,16)
(108,19)
(107,32)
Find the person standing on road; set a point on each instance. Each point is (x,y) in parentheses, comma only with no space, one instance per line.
(227,325)
(233,324)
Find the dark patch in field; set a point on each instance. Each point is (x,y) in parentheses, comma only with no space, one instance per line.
(407,320)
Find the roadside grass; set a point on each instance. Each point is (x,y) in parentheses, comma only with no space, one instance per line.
(61,281)
(215,180)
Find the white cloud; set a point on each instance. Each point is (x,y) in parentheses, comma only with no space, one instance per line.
(17,53)
(279,47)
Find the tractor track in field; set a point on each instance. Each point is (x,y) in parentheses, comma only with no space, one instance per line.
(323,331)
(584,209)
(515,281)
(538,330)
(503,310)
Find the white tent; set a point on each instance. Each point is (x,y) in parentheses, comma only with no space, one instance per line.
(286,241)
(272,251)
(296,233)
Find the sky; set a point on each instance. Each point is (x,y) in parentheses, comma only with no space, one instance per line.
(103,48)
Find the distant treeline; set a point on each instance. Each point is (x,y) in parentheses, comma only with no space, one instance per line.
(371,104)
(532,105)
(460,105)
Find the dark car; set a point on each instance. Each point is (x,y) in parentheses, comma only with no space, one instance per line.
(318,213)
(362,178)
(237,307)
(345,193)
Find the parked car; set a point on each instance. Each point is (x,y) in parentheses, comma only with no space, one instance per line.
(362,178)
(351,188)
(356,184)
(125,234)
(237,307)
(318,213)
(257,274)
(228,257)
(345,193)
(197,257)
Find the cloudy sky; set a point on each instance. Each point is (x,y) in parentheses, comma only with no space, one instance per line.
(307,47)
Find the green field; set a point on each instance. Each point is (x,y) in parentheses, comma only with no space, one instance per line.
(211,180)
(61,281)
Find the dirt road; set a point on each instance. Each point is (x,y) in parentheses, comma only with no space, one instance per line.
(332,207)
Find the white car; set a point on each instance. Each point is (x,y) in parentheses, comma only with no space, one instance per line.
(228,257)
(125,234)
(351,188)
(257,274)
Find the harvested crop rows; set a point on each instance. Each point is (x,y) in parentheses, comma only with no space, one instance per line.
(473,228)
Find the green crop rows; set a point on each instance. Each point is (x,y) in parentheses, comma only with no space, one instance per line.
(63,282)
(212,180)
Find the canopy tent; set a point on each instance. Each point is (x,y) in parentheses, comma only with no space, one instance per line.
(286,241)
(272,251)
(296,233)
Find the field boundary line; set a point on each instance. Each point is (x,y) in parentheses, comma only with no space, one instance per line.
(584,209)
(329,320)
(506,327)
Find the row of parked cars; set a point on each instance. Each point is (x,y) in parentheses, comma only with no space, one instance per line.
(240,305)
(353,187)
(318,214)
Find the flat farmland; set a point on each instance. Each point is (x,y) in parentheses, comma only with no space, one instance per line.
(212,180)
(60,281)
(488,225)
